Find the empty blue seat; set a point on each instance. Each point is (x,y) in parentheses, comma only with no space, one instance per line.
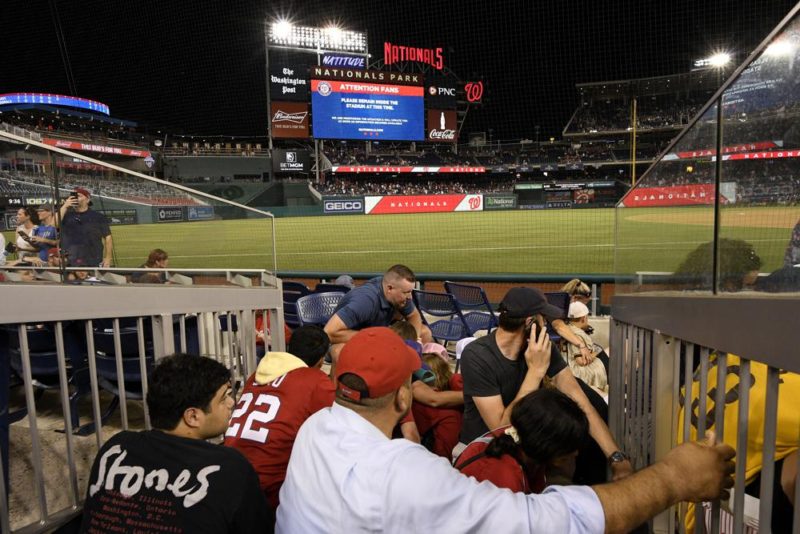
(317,308)
(474,306)
(452,326)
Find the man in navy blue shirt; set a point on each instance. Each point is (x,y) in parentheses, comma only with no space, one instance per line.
(379,302)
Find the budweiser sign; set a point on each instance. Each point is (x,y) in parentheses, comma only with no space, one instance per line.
(289,119)
(296,118)
(442,125)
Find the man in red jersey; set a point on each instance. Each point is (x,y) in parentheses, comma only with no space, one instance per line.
(285,390)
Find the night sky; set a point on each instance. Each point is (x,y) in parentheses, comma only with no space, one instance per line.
(198,67)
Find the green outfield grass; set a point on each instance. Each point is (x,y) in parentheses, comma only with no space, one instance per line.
(545,241)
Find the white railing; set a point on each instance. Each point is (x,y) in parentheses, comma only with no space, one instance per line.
(676,353)
(97,342)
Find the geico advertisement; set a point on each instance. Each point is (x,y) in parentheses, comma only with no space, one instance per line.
(422,204)
(342,205)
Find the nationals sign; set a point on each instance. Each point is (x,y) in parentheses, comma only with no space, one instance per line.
(397,169)
(422,204)
(393,53)
(676,195)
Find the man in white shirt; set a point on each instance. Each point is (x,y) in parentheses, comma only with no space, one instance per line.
(346,474)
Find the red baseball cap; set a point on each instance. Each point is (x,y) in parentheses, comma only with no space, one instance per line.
(83,192)
(380,358)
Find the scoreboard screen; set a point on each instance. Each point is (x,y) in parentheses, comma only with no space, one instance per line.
(367,111)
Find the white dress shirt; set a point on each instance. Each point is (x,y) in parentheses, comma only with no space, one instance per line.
(345,476)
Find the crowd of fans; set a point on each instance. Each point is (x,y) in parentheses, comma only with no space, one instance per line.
(396,186)
(121,187)
(653,112)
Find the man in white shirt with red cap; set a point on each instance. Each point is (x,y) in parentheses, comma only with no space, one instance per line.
(346,474)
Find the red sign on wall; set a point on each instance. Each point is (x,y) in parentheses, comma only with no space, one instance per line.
(676,195)
(93,147)
(422,204)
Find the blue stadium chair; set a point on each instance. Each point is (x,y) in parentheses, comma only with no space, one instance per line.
(105,360)
(317,308)
(292,291)
(452,327)
(324,287)
(44,365)
(470,297)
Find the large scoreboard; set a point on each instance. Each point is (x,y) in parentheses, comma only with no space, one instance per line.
(367,105)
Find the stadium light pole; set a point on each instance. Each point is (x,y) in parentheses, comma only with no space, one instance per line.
(282,34)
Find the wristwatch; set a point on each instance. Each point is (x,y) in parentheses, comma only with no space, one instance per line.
(617,456)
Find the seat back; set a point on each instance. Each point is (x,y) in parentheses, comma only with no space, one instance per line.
(470,297)
(436,304)
(292,291)
(317,308)
(324,287)
(452,326)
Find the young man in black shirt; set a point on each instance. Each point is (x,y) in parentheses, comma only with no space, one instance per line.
(170,479)
(504,366)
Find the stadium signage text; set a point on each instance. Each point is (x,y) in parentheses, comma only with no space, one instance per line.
(289,119)
(404,169)
(341,205)
(396,53)
(86,147)
(422,203)
(291,160)
(442,125)
(500,202)
(366,75)
(341,60)
(170,213)
(676,195)
(288,82)
(200,213)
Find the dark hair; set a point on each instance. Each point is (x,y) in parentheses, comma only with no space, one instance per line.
(156,255)
(549,424)
(31,213)
(736,258)
(511,324)
(310,343)
(405,330)
(399,272)
(182,381)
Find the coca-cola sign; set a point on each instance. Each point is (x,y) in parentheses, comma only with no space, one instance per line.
(442,126)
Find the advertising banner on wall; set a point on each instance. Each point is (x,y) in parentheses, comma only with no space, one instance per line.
(120,216)
(169,213)
(499,202)
(288,82)
(422,203)
(675,195)
(442,126)
(291,160)
(397,169)
(289,119)
(94,147)
(200,213)
(342,205)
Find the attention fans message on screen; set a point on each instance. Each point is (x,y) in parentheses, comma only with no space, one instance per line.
(357,109)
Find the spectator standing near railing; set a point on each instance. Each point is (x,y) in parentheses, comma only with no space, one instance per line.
(85,234)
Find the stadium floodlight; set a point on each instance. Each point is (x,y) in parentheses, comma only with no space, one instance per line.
(281,29)
(780,48)
(716,60)
(720,59)
(333,38)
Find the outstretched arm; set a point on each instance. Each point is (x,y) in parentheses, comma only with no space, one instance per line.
(695,471)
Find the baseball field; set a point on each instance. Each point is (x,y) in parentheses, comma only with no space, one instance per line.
(582,241)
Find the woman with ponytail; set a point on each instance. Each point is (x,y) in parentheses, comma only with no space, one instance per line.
(538,449)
